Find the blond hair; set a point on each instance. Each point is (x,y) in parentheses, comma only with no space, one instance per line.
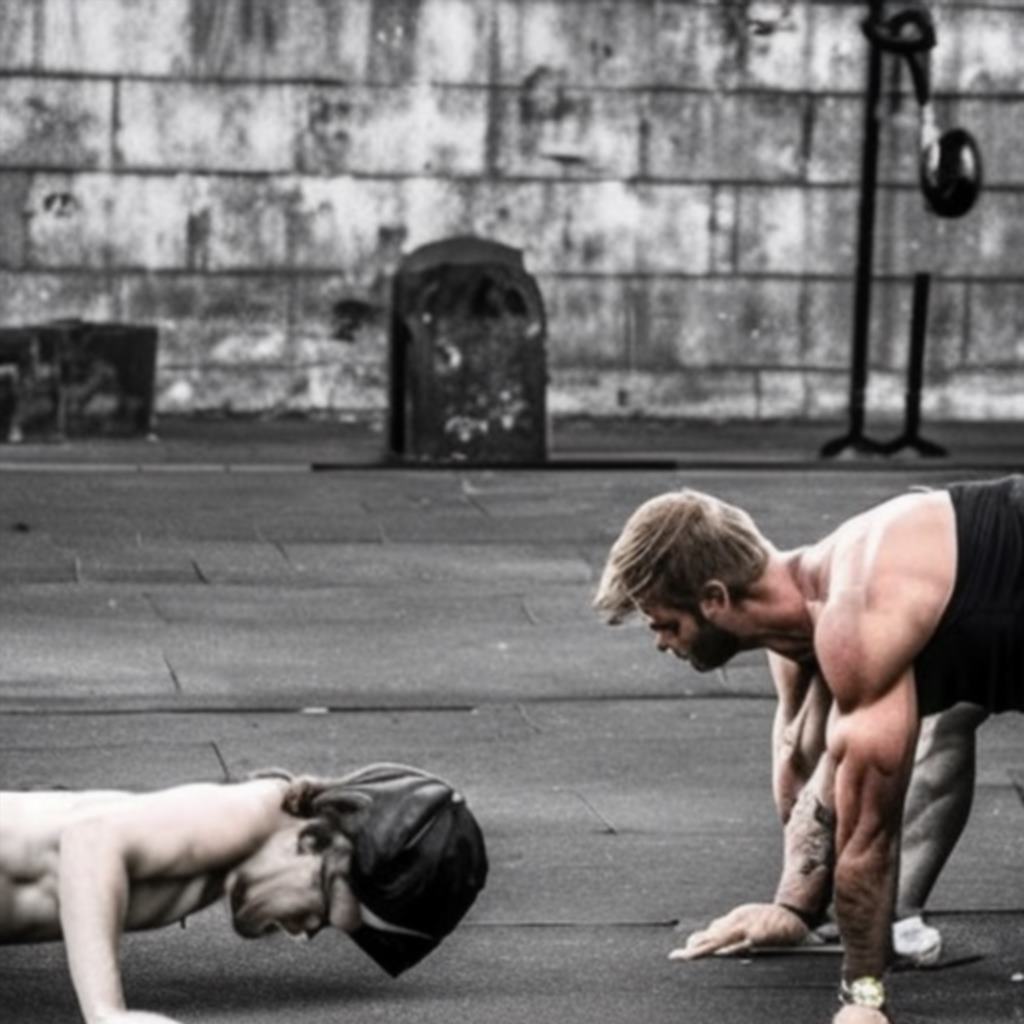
(671,546)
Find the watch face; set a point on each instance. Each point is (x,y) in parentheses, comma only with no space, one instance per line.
(867,992)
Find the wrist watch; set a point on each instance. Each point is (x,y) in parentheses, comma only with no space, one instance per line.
(865,991)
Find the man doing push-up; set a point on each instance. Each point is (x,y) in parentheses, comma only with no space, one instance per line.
(389,854)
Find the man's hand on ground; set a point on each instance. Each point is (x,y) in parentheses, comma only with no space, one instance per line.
(753,924)
(860,1015)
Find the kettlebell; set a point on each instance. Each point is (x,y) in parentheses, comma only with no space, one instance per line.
(949,162)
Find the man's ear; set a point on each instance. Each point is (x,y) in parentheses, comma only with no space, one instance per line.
(714,599)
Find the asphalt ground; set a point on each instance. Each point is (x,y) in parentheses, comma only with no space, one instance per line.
(174,613)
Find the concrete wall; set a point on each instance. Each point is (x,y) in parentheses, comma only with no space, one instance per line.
(681,175)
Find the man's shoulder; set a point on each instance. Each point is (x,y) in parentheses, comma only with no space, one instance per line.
(894,556)
(914,507)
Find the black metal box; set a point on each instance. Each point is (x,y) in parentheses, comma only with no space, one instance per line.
(73,378)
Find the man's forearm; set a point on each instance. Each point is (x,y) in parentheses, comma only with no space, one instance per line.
(868,801)
(809,852)
(865,892)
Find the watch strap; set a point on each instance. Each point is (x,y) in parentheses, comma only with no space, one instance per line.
(866,991)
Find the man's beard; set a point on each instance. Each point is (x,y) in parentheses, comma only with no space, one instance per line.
(712,647)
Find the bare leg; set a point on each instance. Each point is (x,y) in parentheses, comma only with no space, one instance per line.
(938,801)
(937,807)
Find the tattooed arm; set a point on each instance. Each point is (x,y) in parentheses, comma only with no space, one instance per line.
(802,779)
(806,884)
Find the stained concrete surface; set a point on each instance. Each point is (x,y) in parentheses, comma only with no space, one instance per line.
(162,623)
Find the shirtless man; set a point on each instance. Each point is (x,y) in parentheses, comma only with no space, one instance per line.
(389,854)
(908,609)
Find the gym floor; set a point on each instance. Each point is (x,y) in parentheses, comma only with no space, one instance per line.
(206,605)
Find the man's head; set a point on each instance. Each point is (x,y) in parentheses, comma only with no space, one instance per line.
(691,636)
(280,886)
(396,859)
(679,557)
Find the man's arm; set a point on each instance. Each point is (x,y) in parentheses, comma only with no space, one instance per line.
(801,785)
(872,734)
(798,729)
(178,833)
(872,747)
(809,851)
(802,781)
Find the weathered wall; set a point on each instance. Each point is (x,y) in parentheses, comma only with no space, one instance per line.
(681,175)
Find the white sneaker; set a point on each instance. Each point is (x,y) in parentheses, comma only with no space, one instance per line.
(916,941)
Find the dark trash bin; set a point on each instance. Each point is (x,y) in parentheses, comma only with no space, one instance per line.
(468,374)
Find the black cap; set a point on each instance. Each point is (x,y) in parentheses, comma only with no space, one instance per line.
(418,859)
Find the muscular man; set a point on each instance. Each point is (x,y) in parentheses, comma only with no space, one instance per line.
(907,609)
(389,854)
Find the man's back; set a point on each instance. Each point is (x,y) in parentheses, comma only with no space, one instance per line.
(31,826)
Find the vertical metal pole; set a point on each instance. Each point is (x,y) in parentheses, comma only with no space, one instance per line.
(911,436)
(915,365)
(865,249)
